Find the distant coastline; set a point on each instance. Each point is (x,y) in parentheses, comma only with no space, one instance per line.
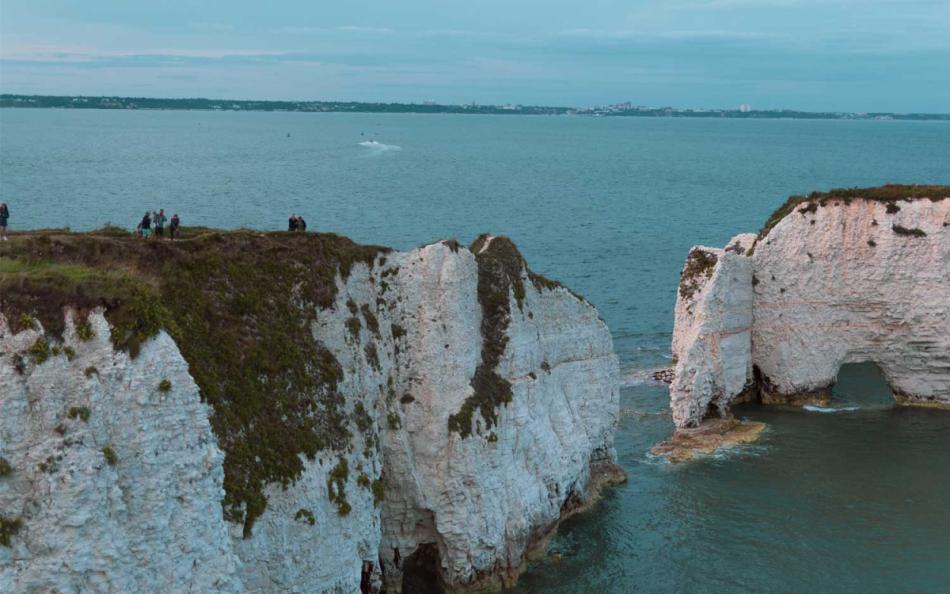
(616,110)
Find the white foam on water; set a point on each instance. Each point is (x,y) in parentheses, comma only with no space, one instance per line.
(829,409)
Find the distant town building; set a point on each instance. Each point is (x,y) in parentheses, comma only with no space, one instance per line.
(745,108)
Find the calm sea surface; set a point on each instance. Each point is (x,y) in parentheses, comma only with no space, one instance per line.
(849,501)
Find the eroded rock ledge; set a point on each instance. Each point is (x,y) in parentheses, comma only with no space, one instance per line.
(247,412)
(840,277)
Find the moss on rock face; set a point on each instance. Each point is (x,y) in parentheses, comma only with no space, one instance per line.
(353,325)
(305,515)
(700,264)
(500,269)
(372,324)
(239,305)
(336,486)
(908,232)
(9,527)
(27,322)
(84,331)
(79,412)
(501,273)
(379,492)
(40,350)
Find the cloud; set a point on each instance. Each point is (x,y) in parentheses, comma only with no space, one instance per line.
(358,30)
(346,29)
(216,27)
(73,54)
(705,34)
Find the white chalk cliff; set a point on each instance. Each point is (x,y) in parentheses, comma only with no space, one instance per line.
(115,476)
(837,279)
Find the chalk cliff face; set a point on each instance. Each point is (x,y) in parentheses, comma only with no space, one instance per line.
(712,342)
(479,401)
(836,278)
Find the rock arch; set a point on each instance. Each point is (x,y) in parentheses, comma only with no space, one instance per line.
(862,383)
(833,279)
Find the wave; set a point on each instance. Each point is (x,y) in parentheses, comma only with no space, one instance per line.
(379,146)
(829,409)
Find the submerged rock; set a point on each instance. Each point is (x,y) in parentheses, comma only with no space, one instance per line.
(710,436)
(843,277)
(427,415)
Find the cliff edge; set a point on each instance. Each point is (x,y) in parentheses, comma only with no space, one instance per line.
(839,277)
(250,412)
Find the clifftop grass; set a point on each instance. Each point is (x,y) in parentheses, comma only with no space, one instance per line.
(238,304)
(889,193)
(699,263)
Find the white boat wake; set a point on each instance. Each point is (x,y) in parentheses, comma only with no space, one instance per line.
(379,146)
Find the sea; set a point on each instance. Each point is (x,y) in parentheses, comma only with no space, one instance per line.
(853,497)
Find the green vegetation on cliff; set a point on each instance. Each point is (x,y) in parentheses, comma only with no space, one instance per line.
(699,263)
(500,274)
(9,527)
(889,193)
(240,307)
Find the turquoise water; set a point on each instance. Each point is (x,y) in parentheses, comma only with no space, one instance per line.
(842,501)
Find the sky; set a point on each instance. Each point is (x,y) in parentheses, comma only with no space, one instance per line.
(817,55)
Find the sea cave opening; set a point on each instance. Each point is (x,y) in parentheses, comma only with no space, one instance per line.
(861,384)
(420,571)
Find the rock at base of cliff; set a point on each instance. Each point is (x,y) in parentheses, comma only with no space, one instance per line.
(712,435)
(819,397)
(664,375)
(903,399)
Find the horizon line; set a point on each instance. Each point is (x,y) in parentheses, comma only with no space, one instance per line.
(510,105)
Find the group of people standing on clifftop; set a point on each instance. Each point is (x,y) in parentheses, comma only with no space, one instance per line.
(153,225)
(296,223)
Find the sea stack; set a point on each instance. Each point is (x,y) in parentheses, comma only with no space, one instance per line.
(847,276)
(248,412)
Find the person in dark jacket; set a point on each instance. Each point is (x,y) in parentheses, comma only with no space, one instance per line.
(159,221)
(301,224)
(4,219)
(146,225)
(292,223)
(173,226)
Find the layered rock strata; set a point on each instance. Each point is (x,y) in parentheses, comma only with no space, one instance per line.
(470,404)
(843,277)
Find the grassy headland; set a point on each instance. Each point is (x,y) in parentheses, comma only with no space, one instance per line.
(239,305)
